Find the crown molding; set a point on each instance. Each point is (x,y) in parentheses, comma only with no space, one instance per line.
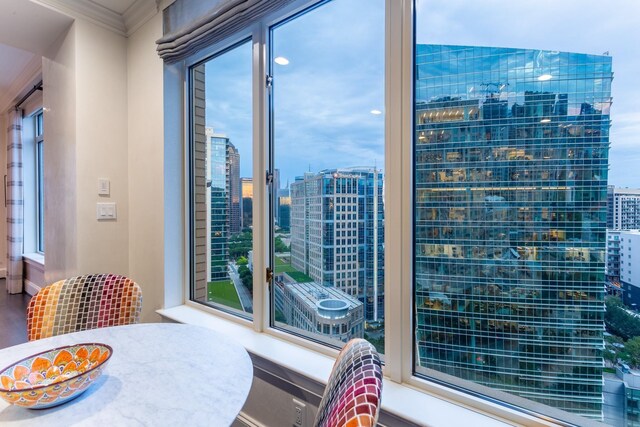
(138,14)
(30,76)
(125,25)
(93,12)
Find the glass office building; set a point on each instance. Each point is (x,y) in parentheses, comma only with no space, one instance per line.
(511,158)
(219,223)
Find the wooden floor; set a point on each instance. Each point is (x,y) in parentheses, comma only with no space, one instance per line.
(13,317)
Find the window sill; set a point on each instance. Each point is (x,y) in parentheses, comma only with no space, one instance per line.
(401,400)
(35,259)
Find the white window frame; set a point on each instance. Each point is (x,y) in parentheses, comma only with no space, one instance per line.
(39,190)
(257,334)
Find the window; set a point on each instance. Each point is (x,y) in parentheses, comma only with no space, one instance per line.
(492,296)
(221,184)
(486,173)
(327,145)
(39,134)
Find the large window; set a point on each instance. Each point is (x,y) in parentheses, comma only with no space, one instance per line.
(327,130)
(429,176)
(510,178)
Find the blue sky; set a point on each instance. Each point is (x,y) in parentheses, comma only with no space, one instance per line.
(335,77)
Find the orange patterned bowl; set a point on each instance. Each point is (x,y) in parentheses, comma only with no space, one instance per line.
(54,376)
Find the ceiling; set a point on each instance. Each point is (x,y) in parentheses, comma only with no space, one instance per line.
(28,27)
(117,6)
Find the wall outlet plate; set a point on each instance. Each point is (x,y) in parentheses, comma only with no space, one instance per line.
(299,413)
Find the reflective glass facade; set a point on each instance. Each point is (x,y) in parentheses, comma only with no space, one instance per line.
(511,158)
(219,207)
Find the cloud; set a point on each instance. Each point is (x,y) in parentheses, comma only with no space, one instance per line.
(323,98)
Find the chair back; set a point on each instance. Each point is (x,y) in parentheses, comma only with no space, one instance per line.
(83,302)
(352,396)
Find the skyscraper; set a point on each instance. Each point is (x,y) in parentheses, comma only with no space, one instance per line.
(623,212)
(219,180)
(246,185)
(284,209)
(337,233)
(511,152)
(235,209)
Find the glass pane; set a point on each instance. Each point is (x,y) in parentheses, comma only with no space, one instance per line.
(222,181)
(510,166)
(328,143)
(40,191)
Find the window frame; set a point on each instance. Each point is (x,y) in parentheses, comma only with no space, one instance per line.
(398,225)
(39,190)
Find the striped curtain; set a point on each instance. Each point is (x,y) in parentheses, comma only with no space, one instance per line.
(14,203)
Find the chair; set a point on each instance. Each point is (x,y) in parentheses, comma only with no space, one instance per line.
(352,396)
(83,302)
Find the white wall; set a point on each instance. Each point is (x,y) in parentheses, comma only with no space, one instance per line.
(59,96)
(146,166)
(101,148)
(85,100)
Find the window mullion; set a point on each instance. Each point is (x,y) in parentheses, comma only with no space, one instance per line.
(407,248)
(395,336)
(260,196)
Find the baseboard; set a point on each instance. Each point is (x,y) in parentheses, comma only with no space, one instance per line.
(30,287)
(244,420)
(3,273)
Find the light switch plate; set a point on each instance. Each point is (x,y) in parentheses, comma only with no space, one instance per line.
(106,211)
(104,187)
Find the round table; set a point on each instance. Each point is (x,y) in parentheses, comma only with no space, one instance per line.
(160,374)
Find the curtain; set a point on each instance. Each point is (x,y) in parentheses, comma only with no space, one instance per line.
(14,202)
(186,34)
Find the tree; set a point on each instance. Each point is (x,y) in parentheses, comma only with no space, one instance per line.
(631,352)
(246,276)
(619,321)
(280,245)
(240,244)
(242,261)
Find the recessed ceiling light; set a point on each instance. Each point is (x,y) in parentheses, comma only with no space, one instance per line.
(545,77)
(545,120)
(376,112)
(281,60)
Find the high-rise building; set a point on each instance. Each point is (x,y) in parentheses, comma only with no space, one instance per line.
(284,209)
(219,203)
(235,208)
(623,210)
(629,267)
(610,192)
(612,266)
(246,185)
(337,232)
(511,158)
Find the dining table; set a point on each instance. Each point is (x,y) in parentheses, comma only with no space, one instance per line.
(160,374)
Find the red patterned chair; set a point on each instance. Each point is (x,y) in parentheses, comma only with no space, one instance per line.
(83,302)
(352,396)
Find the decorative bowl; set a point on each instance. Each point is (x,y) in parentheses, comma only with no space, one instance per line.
(54,376)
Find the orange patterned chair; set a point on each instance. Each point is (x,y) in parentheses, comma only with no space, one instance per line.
(83,302)
(352,396)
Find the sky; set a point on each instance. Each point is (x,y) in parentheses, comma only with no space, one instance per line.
(322,100)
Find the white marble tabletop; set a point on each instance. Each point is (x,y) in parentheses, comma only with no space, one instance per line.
(160,374)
